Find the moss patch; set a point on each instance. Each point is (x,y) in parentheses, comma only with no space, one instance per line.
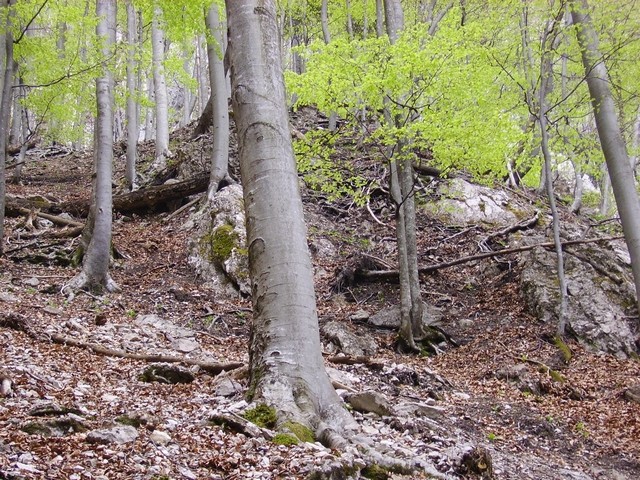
(303,433)
(221,242)
(564,348)
(375,472)
(263,415)
(285,439)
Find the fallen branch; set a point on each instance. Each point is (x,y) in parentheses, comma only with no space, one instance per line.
(212,368)
(57,220)
(373,275)
(524,225)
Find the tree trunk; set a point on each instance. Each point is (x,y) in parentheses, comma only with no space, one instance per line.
(546,73)
(402,188)
(5,103)
(219,102)
(611,139)
(287,370)
(95,265)
(349,19)
(132,107)
(160,90)
(324,20)
(379,18)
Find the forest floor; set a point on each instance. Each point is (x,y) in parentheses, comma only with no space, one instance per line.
(581,428)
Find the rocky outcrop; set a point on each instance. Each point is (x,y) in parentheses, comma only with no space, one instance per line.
(218,250)
(601,294)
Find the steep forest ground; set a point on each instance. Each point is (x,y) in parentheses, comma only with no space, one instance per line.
(580,428)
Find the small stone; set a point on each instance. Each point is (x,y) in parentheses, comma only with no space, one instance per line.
(159,437)
(185,345)
(360,316)
(370,401)
(32,282)
(53,310)
(119,435)
(8,297)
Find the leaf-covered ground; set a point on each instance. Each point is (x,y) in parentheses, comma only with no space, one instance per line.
(581,427)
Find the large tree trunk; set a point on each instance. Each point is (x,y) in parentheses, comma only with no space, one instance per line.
(132,107)
(287,370)
(5,103)
(95,265)
(611,139)
(160,91)
(219,102)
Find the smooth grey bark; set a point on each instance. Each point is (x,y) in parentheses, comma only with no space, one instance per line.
(24,136)
(5,103)
(349,19)
(635,142)
(379,18)
(403,190)
(219,101)
(95,265)
(160,90)
(546,73)
(611,139)
(133,129)
(149,123)
(324,21)
(286,366)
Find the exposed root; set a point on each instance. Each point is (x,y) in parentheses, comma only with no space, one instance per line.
(82,281)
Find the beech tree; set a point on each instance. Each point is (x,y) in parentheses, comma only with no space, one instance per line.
(95,265)
(286,366)
(611,137)
(6,97)
(219,100)
(132,106)
(160,89)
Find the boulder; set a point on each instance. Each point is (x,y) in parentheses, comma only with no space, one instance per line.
(601,294)
(348,342)
(166,373)
(464,203)
(370,402)
(218,251)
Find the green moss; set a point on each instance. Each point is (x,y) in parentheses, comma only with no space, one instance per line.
(130,421)
(563,347)
(263,415)
(375,472)
(34,428)
(302,432)
(557,376)
(285,439)
(221,242)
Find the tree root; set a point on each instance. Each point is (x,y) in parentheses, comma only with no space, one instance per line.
(212,368)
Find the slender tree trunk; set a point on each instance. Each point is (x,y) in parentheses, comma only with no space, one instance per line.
(349,19)
(324,20)
(402,187)
(546,73)
(132,107)
(5,103)
(286,366)
(24,137)
(379,18)
(95,265)
(149,123)
(219,101)
(611,139)
(160,90)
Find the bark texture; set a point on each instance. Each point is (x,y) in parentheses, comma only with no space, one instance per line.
(219,102)
(611,139)
(95,265)
(132,107)
(287,370)
(160,91)
(5,104)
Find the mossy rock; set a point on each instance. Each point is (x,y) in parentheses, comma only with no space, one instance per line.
(263,416)
(221,242)
(300,431)
(285,439)
(375,472)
